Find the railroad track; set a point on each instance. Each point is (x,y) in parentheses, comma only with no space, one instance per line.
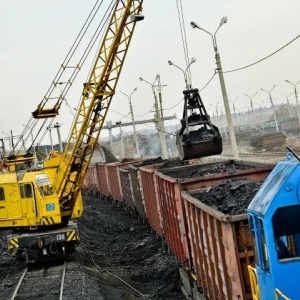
(46,283)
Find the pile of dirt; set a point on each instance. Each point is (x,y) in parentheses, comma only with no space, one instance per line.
(120,246)
(231,196)
(193,171)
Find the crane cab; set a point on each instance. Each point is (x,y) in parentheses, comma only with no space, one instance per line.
(27,200)
(274,217)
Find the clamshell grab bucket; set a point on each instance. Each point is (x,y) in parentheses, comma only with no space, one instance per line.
(198,137)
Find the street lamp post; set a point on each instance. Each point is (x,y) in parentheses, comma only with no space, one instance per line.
(217,115)
(188,85)
(161,132)
(288,104)
(272,103)
(223,87)
(233,106)
(121,138)
(133,122)
(251,103)
(57,126)
(296,96)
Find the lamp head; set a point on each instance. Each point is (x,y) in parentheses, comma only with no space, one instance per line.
(170,63)
(193,60)
(223,21)
(141,79)
(193,24)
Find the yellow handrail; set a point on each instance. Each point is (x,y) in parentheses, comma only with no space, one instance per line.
(279,293)
(253,283)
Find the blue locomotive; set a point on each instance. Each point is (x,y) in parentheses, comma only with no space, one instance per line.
(274,217)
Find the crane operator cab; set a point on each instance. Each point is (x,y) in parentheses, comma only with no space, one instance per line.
(274,217)
(198,137)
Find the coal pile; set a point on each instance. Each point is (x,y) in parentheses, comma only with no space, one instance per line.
(171,163)
(231,196)
(152,161)
(206,170)
(201,134)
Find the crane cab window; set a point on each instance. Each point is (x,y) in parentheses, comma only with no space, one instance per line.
(2,195)
(44,185)
(26,190)
(286,227)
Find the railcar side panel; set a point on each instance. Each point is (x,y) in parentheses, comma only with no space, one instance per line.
(152,204)
(137,191)
(102,178)
(127,188)
(221,249)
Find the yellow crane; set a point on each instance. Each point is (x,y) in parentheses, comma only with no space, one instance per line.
(39,204)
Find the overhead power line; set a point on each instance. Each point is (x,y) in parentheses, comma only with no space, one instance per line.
(264,57)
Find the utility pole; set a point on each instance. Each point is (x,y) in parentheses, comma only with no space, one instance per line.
(121,138)
(57,126)
(272,103)
(234,110)
(51,141)
(296,96)
(133,122)
(251,103)
(159,88)
(158,118)
(109,127)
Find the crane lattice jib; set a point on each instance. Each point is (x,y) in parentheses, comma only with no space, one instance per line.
(96,98)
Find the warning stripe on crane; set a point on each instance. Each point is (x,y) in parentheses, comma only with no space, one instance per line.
(47,221)
(13,243)
(72,236)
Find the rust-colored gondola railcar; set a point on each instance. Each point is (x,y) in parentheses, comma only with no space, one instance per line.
(221,248)
(137,190)
(90,180)
(171,182)
(113,176)
(102,179)
(150,192)
(126,186)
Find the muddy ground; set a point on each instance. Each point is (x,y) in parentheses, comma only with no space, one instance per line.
(119,258)
(120,245)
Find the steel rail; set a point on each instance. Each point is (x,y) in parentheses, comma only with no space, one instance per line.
(19,284)
(62,282)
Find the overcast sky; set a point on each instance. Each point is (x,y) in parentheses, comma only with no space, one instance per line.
(37,34)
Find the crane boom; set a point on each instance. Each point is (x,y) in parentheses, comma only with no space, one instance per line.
(95,101)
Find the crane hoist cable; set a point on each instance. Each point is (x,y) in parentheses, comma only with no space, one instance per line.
(32,123)
(184,39)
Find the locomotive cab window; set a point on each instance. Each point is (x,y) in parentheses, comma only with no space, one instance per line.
(2,195)
(263,246)
(286,226)
(259,243)
(44,185)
